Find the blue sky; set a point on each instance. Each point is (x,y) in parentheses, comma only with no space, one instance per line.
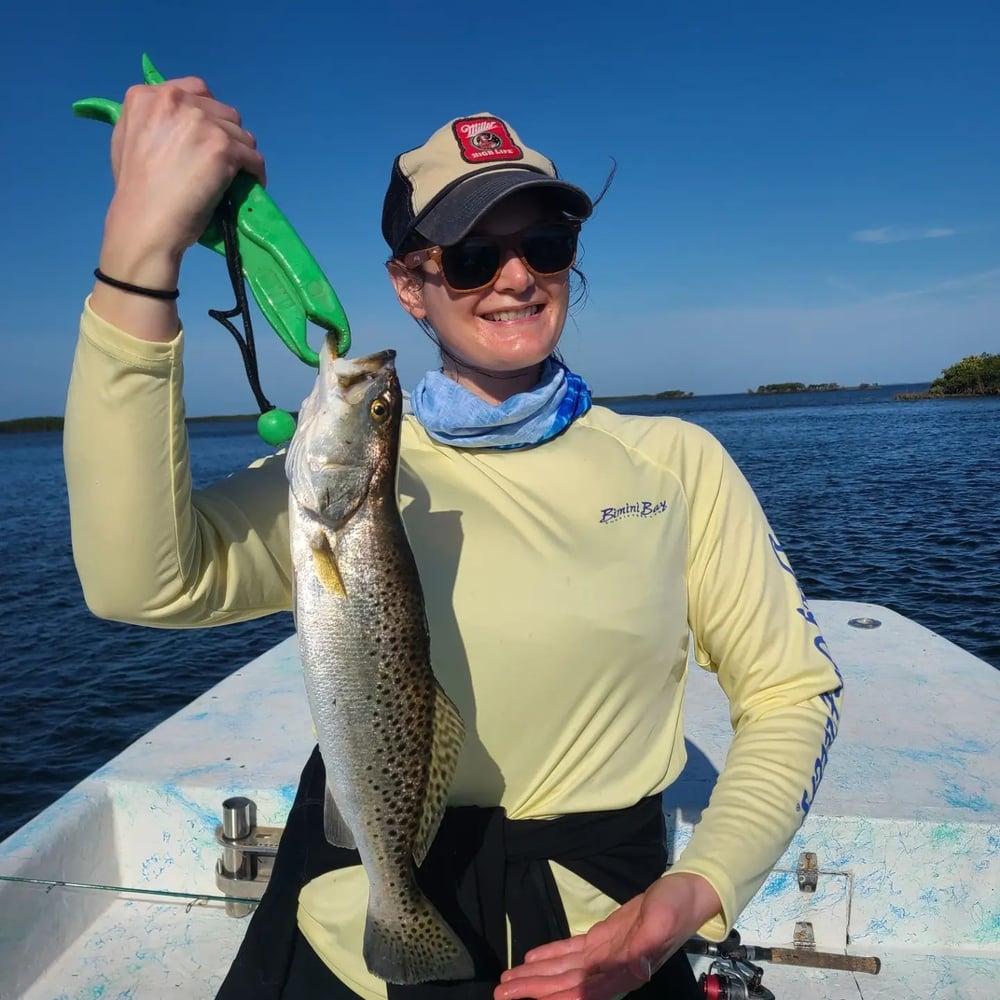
(804,192)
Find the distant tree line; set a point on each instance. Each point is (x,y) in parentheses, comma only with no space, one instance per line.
(803,387)
(23,424)
(648,396)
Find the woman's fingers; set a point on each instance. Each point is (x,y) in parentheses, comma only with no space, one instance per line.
(245,153)
(557,949)
(574,984)
(175,150)
(546,966)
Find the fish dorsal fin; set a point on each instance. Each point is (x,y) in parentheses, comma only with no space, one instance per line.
(325,564)
(449,734)
(335,826)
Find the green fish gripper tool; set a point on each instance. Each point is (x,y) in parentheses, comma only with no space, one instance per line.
(287,283)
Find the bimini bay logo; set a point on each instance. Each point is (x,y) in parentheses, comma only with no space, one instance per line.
(638,508)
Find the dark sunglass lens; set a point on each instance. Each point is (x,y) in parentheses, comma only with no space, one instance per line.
(549,249)
(470,264)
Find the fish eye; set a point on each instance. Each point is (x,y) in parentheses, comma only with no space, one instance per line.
(379,410)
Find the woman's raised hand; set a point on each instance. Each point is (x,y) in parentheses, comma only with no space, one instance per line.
(174,151)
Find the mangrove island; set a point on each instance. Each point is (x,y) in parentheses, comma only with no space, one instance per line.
(976,375)
(775,387)
(23,425)
(649,396)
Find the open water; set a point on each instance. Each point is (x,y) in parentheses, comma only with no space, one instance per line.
(890,502)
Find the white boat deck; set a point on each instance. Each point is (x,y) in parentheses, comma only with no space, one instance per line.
(906,830)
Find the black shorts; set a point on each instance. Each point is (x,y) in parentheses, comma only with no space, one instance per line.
(275,962)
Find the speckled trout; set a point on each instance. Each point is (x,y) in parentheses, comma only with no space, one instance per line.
(388,734)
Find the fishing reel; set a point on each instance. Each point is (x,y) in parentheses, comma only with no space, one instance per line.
(733,976)
(733,979)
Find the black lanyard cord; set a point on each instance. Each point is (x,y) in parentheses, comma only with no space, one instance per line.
(234,264)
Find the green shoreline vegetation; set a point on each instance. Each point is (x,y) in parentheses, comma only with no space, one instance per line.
(666,394)
(27,424)
(976,375)
(776,387)
(24,424)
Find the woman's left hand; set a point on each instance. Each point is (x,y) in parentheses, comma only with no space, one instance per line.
(620,953)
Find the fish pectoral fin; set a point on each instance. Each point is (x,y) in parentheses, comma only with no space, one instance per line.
(325,565)
(335,826)
(446,743)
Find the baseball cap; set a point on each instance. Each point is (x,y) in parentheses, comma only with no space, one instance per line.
(441,189)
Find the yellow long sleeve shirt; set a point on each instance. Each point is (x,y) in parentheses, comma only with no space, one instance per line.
(563,584)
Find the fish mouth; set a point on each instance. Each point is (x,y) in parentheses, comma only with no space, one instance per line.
(368,364)
(353,372)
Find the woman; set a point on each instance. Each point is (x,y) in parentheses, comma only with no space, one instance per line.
(566,554)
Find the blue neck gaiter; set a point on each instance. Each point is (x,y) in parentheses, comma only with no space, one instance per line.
(453,415)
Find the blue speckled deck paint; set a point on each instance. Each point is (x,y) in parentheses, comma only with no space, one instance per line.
(905,826)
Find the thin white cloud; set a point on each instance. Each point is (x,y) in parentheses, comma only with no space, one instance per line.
(978,282)
(899,234)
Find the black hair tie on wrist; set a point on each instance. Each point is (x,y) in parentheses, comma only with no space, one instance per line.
(152,293)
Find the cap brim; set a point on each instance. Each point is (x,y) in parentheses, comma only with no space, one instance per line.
(452,217)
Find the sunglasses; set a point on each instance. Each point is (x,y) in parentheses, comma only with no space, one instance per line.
(474,263)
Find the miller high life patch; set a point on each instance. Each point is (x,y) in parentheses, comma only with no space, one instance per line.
(485,140)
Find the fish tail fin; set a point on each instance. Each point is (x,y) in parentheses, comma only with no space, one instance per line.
(417,948)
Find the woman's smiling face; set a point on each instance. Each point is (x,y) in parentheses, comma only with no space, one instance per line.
(494,339)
